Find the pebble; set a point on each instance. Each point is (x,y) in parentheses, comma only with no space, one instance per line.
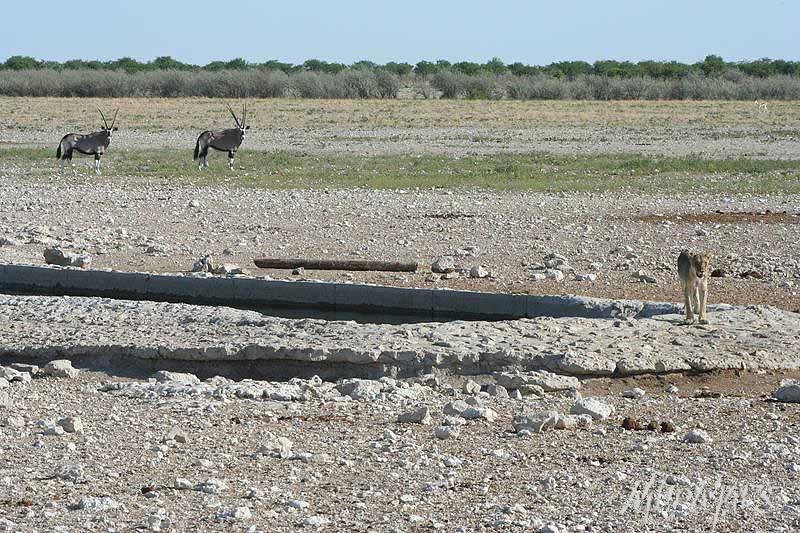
(697,436)
(634,393)
(417,416)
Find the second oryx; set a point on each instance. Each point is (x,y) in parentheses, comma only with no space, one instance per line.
(225,141)
(95,143)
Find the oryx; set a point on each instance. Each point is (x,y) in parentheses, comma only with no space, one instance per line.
(95,143)
(225,141)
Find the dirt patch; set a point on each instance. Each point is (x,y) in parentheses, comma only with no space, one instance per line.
(726,217)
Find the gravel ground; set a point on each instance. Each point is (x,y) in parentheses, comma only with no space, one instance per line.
(209,457)
(127,224)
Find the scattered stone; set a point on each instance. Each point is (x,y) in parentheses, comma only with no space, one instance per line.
(204,264)
(634,393)
(178,435)
(471,387)
(667,427)
(586,277)
(276,446)
(299,271)
(697,436)
(498,391)
(443,265)
(5,400)
(478,272)
(720,273)
(554,274)
(652,426)
(359,388)
(592,407)
(535,422)
(418,416)
(788,393)
(227,269)
(97,504)
(211,486)
(446,432)
(60,368)
(644,277)
(183,484)
(316,521)
(455,408)
(57,256)
(541,378)
(72,473)
(164,376)
(705,393)
(72,424)
(298,504)
(24,367)
(479,412)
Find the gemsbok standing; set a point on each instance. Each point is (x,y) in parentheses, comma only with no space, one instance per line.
(95,144)
(225,141)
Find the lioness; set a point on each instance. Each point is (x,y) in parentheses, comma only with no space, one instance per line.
(693,272)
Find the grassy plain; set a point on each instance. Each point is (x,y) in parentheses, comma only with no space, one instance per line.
(193,113)
(537,171)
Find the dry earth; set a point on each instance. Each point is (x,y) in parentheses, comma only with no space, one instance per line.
(674,129)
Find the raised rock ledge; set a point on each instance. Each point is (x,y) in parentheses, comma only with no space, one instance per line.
(197,338)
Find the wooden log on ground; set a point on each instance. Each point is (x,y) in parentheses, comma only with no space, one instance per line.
(335,264)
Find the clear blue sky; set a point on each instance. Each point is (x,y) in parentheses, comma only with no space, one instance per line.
(534,32)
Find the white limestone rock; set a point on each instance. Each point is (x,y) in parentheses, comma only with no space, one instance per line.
(60,368)
(592,407)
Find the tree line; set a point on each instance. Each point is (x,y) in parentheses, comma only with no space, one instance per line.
(711,66)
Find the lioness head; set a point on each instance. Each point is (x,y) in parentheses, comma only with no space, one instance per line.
(700,263)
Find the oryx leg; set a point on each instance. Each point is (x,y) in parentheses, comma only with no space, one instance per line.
(71,163)
(97,164)
(230,159)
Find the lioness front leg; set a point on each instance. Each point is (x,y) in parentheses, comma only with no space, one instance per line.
(687,304)
(702,311)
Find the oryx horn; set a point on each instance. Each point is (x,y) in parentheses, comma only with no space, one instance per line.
(105,123)
(234,116)
(114,120)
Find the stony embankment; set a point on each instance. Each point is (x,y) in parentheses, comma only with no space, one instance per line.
(147,332)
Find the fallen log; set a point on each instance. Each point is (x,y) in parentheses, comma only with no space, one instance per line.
(335,264)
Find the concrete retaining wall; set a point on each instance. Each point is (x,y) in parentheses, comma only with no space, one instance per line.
(255,293)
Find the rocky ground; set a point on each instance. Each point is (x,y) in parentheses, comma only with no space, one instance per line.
(625,240)
(93,451)
(121,448)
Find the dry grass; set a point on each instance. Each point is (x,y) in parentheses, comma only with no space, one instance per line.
(194,113)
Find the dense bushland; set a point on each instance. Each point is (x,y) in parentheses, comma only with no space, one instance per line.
(712,79)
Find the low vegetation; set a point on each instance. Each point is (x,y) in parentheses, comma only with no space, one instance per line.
(711,79)
(369,84)
(538,171)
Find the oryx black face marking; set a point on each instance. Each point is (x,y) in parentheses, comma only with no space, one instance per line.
(95,143)
(225,141)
